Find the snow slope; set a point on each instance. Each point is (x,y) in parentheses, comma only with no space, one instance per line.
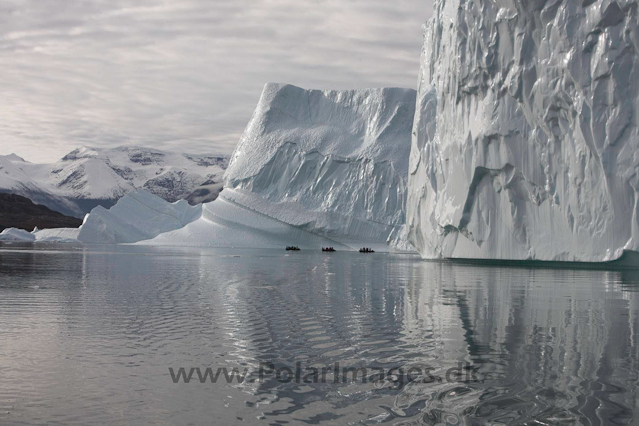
(137,216)
(15,179)
(88,177)
(525,139)
(332,164)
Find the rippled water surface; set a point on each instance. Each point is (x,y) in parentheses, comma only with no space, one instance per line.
(88,335)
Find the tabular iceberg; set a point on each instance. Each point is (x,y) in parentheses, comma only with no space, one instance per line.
(314,168)
(525,140)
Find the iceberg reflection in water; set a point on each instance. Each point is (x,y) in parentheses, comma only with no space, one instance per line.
(88,336)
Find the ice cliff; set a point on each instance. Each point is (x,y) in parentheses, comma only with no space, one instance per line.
(315,167)
(525,136)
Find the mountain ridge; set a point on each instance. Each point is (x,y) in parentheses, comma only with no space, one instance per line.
(87,177)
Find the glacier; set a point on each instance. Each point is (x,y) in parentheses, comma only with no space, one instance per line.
(314,168)
(525,140)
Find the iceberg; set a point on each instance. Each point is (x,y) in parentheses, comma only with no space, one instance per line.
(525,140)
(314,168)
(57,235)
(137,216)
(224,223)
(16,235)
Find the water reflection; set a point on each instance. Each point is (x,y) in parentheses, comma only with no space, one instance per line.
(88,335)
(548,345)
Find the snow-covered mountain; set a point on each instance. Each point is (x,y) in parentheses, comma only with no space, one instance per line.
(314,167)
(88,177)
(526,138)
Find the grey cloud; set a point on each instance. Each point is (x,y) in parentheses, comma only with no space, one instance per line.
(184,74)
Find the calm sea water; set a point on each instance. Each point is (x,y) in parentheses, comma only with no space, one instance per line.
(89,335)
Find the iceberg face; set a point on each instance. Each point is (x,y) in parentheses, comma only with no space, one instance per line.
(137,216)
(525,140)
(332,163)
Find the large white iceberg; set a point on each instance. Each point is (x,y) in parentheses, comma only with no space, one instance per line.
(525,140)
(314,168)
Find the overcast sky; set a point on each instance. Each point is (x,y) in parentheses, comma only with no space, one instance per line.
(184,75)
